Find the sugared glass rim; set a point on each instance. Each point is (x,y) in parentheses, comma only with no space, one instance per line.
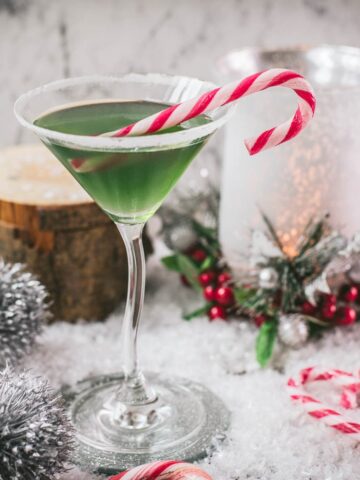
(163,141)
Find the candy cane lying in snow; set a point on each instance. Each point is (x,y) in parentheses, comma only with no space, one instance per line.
(231,92)
(350,385)
(164,470)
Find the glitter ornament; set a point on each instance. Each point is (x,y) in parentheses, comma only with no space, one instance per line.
(268,278)
(293,330)
(180,237)
(23,310)
(35,433)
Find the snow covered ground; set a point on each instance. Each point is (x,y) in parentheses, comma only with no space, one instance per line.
(269,437)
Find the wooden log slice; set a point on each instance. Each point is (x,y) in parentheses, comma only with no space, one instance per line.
(49,223)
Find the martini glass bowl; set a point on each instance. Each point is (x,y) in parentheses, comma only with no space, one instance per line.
(130,418)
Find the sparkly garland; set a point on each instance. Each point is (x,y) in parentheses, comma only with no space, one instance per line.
(24,309)
(36,436)
(287,298)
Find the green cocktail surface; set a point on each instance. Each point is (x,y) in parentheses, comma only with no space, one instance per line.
(129,185)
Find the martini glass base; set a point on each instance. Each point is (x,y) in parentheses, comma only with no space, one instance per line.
(183,423)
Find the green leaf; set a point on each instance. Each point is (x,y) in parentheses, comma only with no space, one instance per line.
(209,233)
(207,263)
(171,262)
(190,270)
(197,313)
(243,295)
(265,342)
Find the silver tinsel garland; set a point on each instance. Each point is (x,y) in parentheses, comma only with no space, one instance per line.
(35,433)
(293,330)
(23,309)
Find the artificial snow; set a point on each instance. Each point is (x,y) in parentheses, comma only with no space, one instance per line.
(270,438)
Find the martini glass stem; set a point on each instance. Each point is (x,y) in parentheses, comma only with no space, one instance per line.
(134,390)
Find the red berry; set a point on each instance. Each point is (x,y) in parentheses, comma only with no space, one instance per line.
(224,277)
(328,299)
(308,308)
(346,316)
(184,281)
(328,311)
(205,278)
(259,320)
(209,293)
(198,255)
(349,293)
(224,296)
(217,313)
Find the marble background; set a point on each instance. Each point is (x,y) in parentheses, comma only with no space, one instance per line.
(43,40)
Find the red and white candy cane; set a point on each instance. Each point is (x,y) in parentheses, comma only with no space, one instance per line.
(220,96)
(164,470)
(350,385)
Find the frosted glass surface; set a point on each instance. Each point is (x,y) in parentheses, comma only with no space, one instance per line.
(316,173)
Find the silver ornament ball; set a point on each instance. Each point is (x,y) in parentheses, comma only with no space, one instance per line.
(36,437)
(293,330)
(23,310)
(180,237)
(268,278)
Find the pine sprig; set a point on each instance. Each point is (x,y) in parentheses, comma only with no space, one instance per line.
(317,249)
(272,231)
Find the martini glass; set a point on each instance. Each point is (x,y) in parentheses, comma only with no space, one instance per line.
(129,418)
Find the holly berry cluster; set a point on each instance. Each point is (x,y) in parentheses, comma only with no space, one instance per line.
(217,289)
(219,292)
(203,268)
(278,295)
(340,309)
(330,309)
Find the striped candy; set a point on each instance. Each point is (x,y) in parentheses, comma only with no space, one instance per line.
(218,97)
(350,385)
(164,470)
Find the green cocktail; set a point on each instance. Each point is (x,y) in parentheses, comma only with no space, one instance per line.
(127,418)
(128,185)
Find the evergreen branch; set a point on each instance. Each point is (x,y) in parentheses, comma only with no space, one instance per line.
(314,233)
(272,231)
